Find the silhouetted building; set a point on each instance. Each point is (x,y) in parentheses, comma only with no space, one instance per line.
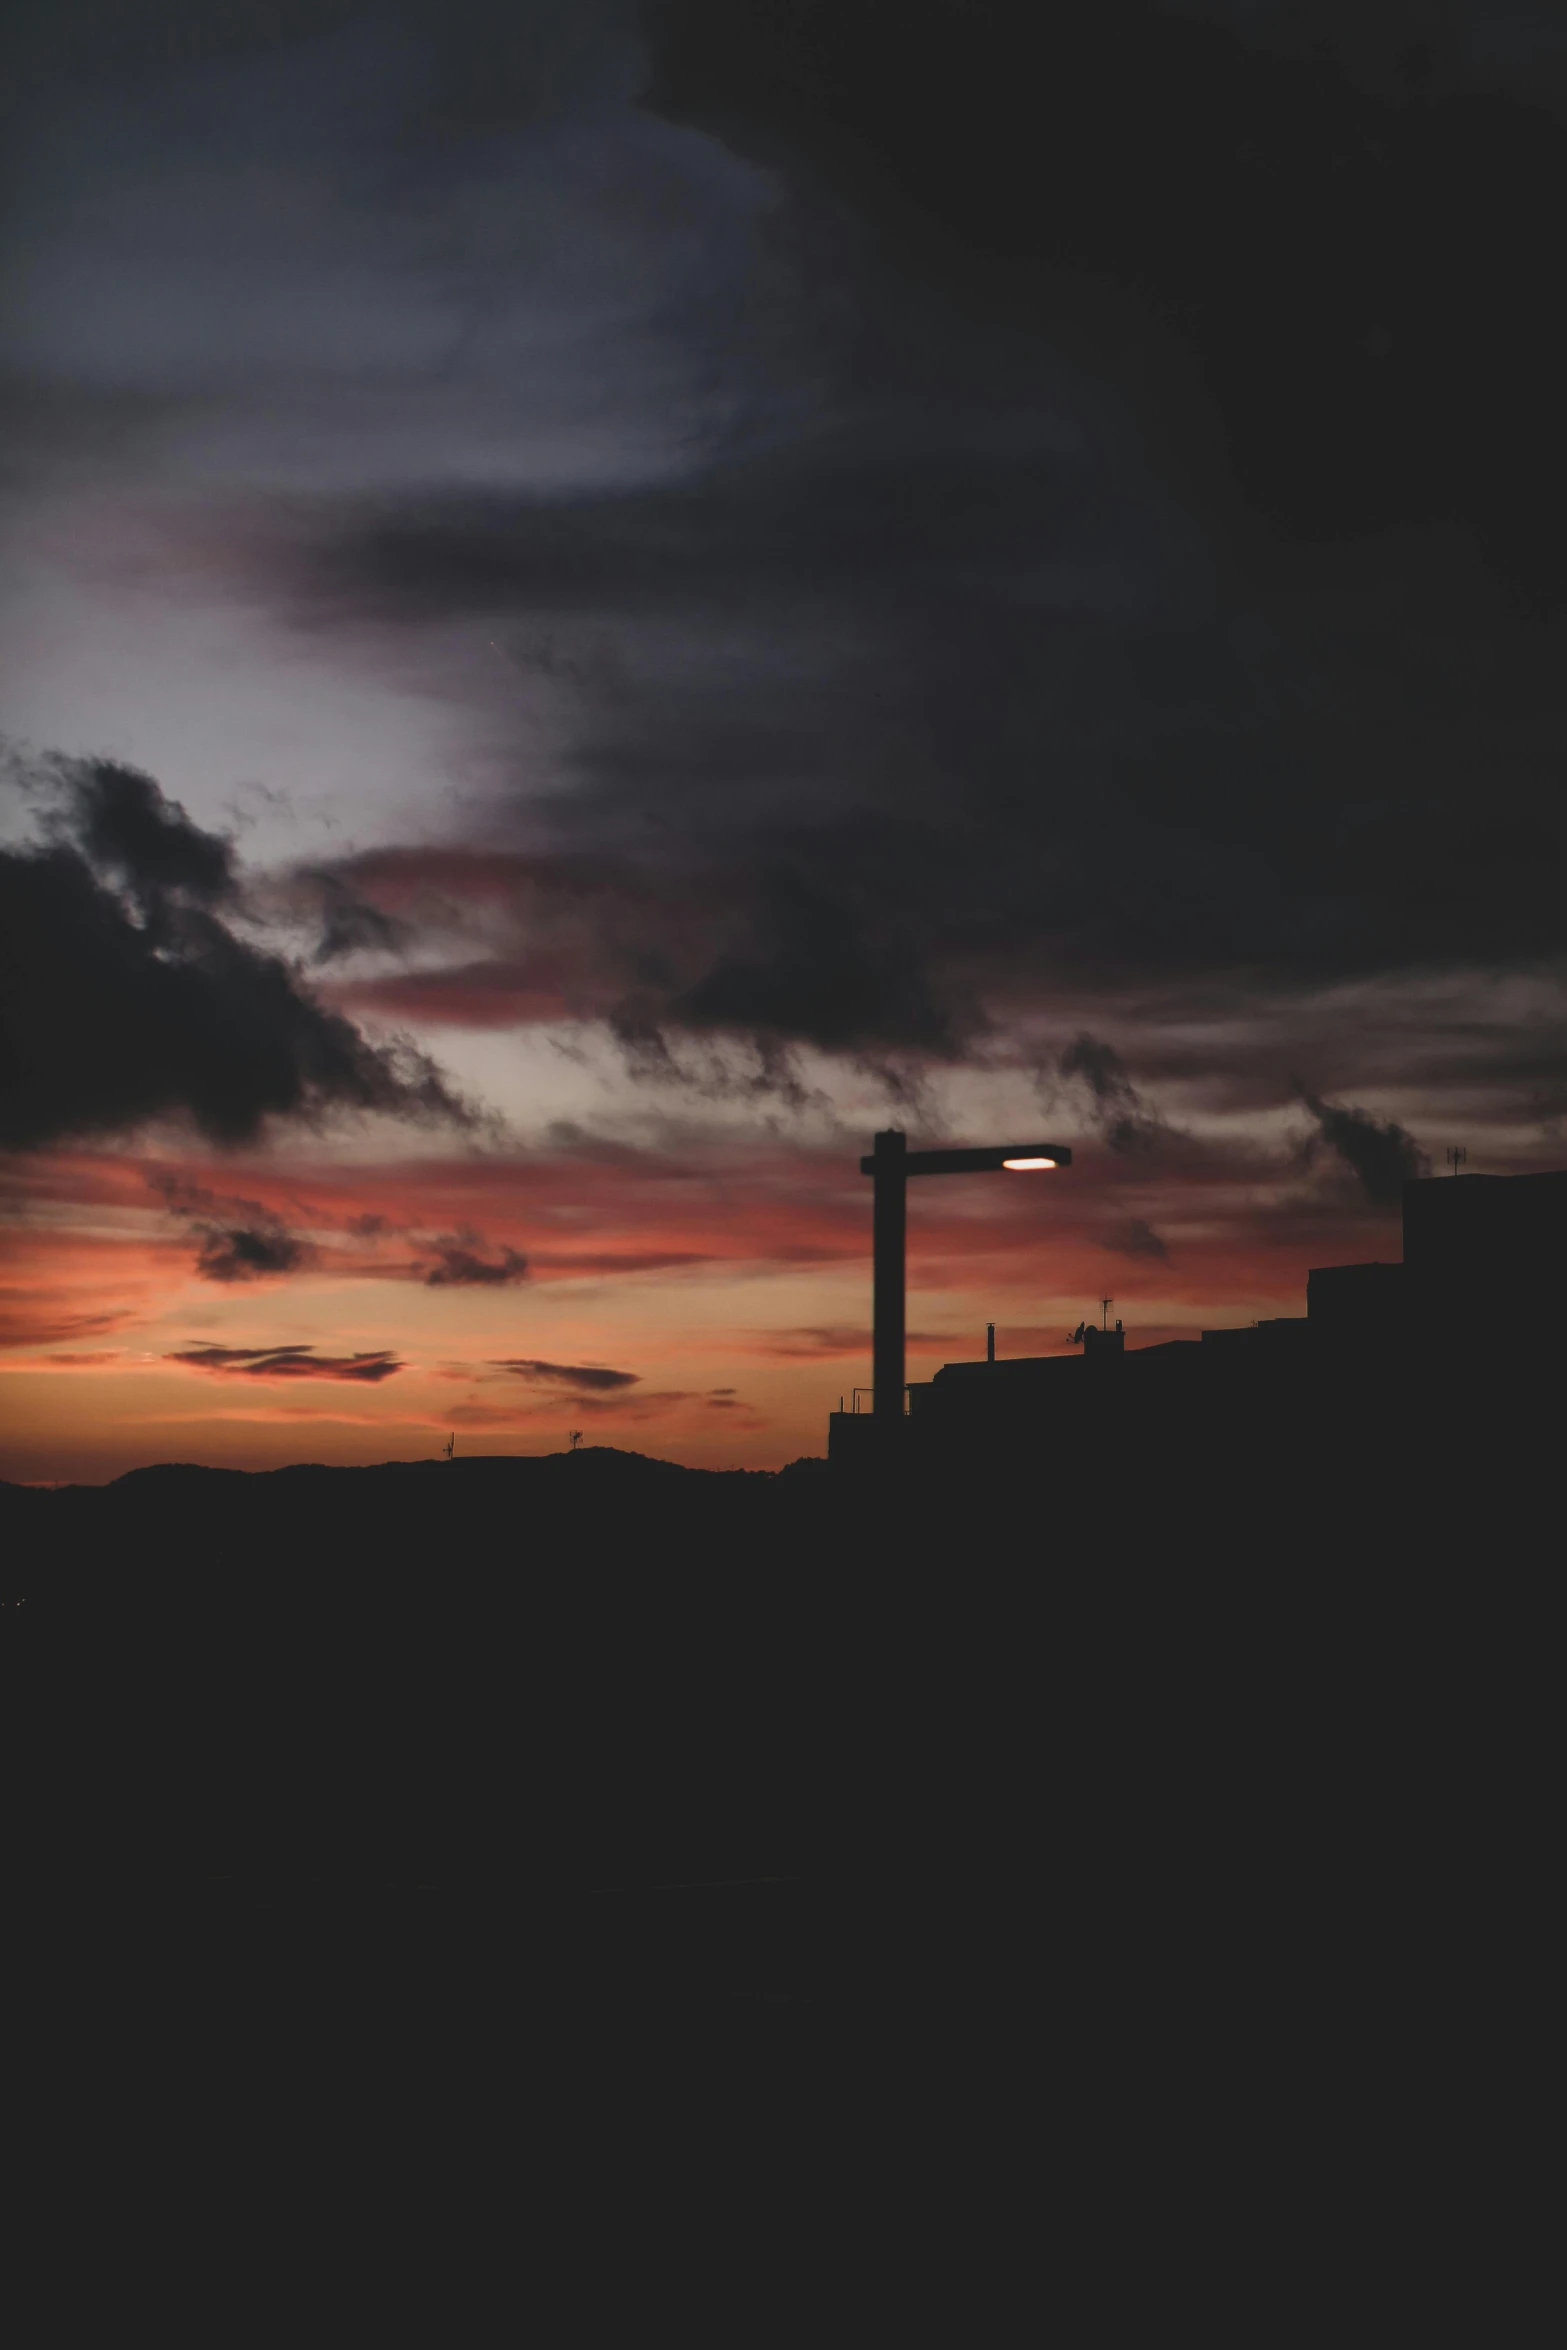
(1482,1253)
(1345,1297)
(1494,1242)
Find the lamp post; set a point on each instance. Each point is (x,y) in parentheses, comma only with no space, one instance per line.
(889,1166)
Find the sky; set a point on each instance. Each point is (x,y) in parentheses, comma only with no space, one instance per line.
(598,601)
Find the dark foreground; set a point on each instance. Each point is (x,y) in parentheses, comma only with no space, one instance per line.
(1154,1862)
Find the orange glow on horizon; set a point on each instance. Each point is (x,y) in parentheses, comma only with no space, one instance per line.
(703,1304)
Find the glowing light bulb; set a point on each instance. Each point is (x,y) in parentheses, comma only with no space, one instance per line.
(1026,1166)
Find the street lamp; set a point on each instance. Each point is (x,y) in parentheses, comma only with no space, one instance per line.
(890,1165)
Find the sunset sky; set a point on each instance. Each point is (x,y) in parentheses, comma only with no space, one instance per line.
(597,601)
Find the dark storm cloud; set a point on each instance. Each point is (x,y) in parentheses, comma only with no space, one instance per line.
(115,1013)
(1125,548)
(127,827)
(460,1263)
(1027,750)
(287,1362)
(586,1376)
(844,853)
(1360,264)
(813,967)
(1170,629)
(1378,1152)
(1401,49)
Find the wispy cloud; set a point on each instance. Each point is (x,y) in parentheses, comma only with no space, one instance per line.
(588,1376)
(1134,1236)
(241,1239)
(1380,1154)
(287,1362)
(460,1263)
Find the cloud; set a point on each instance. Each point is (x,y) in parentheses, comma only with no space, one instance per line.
(287,1362)
(34,1318)
(1118,1108)
(814,970)
(241,1240)
(459,1263)
(586,1376)
(250,1253)
(1133,1237)
(500,992)
(350,925)
(1038,596)
(1380,1154)
(126,826)
(612,1263)
(1301,260)
(816,1344)
(830,1341)
(893,860)
(1056,634)
(113,1014)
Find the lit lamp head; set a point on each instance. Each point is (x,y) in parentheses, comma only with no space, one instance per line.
(893,1157)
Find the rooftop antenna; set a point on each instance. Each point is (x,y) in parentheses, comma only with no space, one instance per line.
(990,1342)
(1105,1303)
(1456,1158)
